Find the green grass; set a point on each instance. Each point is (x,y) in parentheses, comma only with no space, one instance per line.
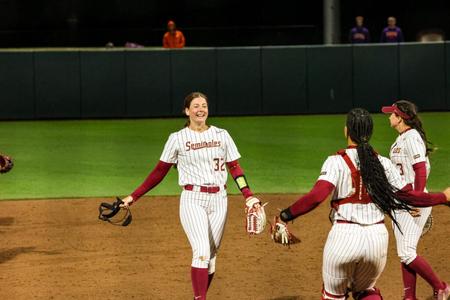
(281,154)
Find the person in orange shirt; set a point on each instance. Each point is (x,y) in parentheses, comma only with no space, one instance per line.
(173,38)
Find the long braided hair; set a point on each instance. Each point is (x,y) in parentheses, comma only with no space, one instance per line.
(410,109)
(383,194)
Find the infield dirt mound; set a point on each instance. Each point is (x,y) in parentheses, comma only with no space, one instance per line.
(58,249)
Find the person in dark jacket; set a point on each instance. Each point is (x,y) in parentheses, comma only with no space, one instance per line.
(359,34)
(392,33)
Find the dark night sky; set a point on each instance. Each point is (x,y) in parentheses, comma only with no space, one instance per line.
(206,23)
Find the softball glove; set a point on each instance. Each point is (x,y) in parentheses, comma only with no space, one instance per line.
(256,219)
(280,233)
(6,163)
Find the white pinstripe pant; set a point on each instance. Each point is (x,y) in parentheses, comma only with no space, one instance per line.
(354,257)
(412,230)
(203,218)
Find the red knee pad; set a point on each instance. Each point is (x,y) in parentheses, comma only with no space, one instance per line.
(373,294)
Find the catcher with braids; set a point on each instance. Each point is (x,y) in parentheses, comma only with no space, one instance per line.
(6,163)
(363,187)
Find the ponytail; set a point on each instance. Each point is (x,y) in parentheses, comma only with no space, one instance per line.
(383,194)
(414,122)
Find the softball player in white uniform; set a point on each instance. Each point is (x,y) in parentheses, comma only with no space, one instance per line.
(409,154)
(201,154)
(363,187)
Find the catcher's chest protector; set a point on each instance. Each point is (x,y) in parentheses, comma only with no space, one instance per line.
(360,194)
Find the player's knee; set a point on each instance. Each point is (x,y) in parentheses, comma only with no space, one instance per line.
(329,296)
(407,257)
(212,265)
(407,248)
(201,261)
(201,256)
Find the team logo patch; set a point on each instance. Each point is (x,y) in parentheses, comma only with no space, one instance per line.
(416,156)
(396,150)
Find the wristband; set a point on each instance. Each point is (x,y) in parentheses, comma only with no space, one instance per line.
(286,215)
(241,182)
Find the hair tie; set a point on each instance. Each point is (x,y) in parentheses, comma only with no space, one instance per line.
(364,140)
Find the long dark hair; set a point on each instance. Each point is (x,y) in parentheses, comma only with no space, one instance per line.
(187,103)
(383,194)
(410,109)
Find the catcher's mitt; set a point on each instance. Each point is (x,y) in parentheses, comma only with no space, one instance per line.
(6,163)
(256,219)
(280,233)
(110,213)
(428,225)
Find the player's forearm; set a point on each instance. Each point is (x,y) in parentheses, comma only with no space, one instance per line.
(421,199)
(420,176)
(238,175)
(152,180)
(321,190)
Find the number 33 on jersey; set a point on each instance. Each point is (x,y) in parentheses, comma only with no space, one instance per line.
(200,156)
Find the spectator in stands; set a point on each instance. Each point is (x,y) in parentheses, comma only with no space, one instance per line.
(173,38)
(392,33)
(133,45)
(359,34)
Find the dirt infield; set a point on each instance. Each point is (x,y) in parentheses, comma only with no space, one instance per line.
(58,249)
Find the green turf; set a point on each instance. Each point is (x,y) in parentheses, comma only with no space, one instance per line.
(281,154)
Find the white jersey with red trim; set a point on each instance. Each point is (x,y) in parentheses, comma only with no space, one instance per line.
(337,172)
(408,150)
(200,156)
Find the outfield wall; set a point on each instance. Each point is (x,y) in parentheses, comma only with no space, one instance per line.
(120,83)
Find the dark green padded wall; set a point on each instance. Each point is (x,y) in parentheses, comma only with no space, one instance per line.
(148,87)
(329,79)
(17,100)
(284,80)
(193,70)
(103,84)
(375,76)
(239,81)
(422,75)
(57,84)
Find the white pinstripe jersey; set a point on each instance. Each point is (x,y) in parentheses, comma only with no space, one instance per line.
(200,156)
(408,150)
(336,171)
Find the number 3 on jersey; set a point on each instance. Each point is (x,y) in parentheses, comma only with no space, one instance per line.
(400,168)
(219,164)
